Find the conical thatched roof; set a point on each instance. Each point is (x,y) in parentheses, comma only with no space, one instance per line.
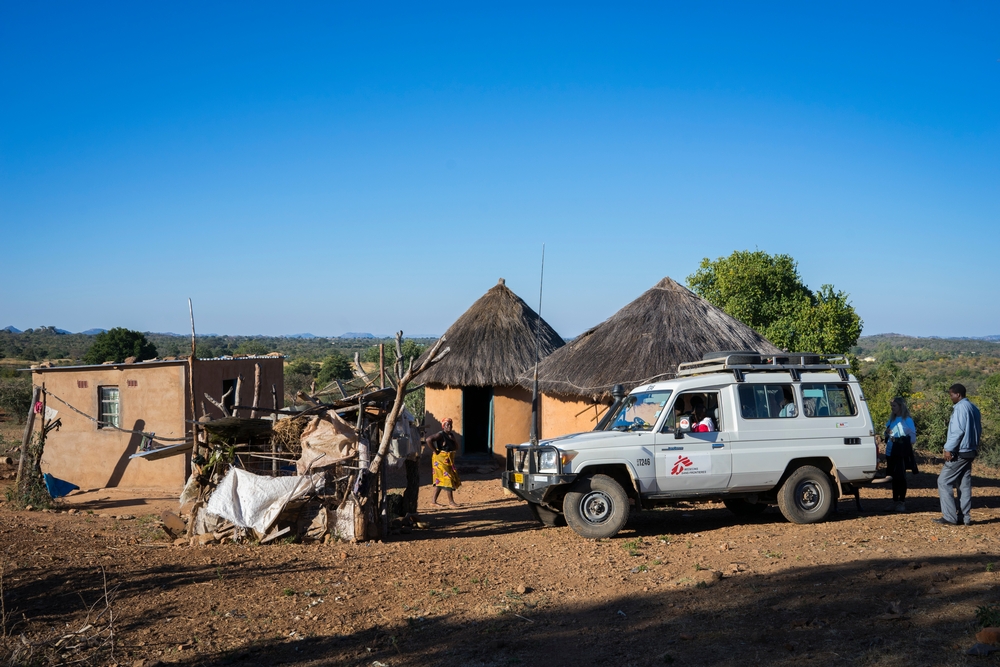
(646,339)
(493,342)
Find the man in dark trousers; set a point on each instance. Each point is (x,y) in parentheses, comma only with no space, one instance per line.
(964,431)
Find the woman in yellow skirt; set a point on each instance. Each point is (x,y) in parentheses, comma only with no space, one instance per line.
(444,476)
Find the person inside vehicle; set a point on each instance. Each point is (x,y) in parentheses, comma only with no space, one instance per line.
(702,422)
(788,408)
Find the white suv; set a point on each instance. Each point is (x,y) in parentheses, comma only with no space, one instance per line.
(746,429)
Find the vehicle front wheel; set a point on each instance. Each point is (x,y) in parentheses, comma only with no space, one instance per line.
(806,496)
(741,507)
(545,516)
(596,507)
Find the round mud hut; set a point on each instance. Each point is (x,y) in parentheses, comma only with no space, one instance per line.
(641,343)
(476,384)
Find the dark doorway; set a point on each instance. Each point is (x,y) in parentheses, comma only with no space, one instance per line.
(477,419)
(229,387)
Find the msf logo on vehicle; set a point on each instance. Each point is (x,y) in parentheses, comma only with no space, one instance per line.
(680,464)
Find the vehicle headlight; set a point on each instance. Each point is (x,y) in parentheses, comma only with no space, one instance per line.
(547,461)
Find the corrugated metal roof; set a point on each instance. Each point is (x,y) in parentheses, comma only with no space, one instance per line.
(148,363)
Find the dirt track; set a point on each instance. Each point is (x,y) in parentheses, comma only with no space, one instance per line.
(487,586)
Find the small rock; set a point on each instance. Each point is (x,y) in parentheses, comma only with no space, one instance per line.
(933,590)
(103,516)
(981,649)
(181,541)
(343,555)
(205,538)
(173,523)
(29,508)
(138,663)
(988,636)
(522,589)
(74,511)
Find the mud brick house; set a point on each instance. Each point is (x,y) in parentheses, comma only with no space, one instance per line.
(132,406)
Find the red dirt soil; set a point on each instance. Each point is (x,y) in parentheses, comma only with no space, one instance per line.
(486,585)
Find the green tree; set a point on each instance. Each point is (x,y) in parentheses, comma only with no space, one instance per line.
(882,384)
(987,399)
(766,293)
(411,350)
(117,345)
(251,347)
(335,367)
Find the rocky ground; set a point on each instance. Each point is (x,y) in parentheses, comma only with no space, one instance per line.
(485,585)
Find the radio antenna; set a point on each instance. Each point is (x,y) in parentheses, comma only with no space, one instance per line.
(538,337)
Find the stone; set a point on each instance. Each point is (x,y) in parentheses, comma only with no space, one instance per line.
(181,541)
(988,636)
(522,589)
(72,511)
(173,523)
(981,649)
(205,538)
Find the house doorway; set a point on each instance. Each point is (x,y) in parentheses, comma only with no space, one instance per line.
(477,419)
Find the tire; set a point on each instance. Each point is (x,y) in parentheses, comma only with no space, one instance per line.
(545,516)
(806,496)
(596,507)
(741,507)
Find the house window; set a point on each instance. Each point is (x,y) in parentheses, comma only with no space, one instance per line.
(110,407)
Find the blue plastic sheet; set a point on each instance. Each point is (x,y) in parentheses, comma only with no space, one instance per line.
(58,488)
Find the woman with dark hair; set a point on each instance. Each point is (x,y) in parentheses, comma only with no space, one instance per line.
(444,476)
(900,436)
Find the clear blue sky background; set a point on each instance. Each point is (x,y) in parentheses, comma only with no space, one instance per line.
(376,166)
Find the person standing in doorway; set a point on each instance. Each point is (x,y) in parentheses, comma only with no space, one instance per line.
(964,431)
(444,476)
(900,435)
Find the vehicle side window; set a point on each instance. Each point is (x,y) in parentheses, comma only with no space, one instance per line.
(827,400)
(767,401)
(703,407)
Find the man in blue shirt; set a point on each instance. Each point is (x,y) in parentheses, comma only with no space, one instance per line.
(964,431)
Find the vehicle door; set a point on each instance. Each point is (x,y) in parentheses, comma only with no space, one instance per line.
(692,460)
(771,429)
(635,421)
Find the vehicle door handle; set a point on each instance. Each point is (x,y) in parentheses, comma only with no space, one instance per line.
(718,445)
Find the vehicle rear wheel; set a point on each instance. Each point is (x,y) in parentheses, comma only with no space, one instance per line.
(741,507)
(806,496)
(596,507)
(545,516)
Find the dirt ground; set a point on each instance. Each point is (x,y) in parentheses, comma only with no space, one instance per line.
(485,585)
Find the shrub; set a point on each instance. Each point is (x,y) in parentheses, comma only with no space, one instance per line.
(15,397)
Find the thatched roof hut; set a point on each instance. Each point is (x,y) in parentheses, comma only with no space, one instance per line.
(645,340)
(493,342)
(476,385)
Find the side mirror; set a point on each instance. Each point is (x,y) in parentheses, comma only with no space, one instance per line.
(683,426)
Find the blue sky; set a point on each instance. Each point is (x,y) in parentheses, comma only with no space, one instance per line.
(373,167)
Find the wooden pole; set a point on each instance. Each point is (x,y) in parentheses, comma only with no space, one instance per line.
(381,365)
(256,391)
(236,398)
(195,449)
(274,396)
(29,426)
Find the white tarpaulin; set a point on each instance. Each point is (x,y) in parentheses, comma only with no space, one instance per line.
(405,439)
(255,501)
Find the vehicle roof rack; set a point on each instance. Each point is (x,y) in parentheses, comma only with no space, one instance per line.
(793,363)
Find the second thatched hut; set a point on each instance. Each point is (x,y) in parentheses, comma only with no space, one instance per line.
(476,385)
(641,343)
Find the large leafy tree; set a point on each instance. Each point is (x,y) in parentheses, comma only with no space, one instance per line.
(766,293)
(335,367)
(117,345)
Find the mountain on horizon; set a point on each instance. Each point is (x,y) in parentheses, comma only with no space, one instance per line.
(299,335)
(93,332)
(354,334)
(11,330)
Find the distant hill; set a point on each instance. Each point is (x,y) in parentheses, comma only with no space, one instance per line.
(898,347)
(93,332)
(11,330)
(352,334)
(301,335)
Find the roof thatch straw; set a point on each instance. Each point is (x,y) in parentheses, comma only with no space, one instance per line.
(642,342)
(493,342)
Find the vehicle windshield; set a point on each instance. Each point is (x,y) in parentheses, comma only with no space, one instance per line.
(639,411)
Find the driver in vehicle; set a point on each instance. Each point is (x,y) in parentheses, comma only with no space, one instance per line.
(703,423)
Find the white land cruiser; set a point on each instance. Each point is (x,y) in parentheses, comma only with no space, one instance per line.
(746,429)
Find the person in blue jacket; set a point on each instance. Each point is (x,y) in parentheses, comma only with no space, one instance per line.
(964,431)
(900,436)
